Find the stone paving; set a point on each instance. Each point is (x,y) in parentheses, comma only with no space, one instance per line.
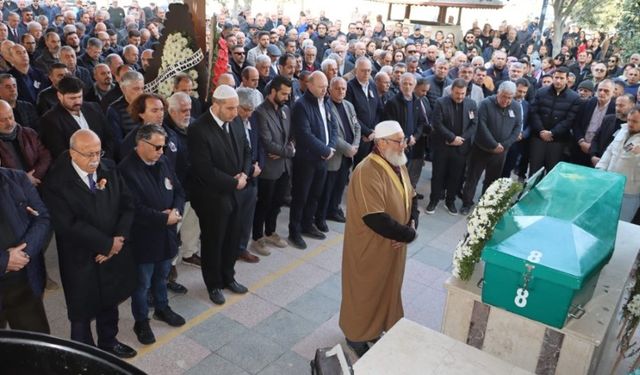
(291,309)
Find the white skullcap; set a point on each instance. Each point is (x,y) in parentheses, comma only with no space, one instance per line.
(225,92)
(387,128)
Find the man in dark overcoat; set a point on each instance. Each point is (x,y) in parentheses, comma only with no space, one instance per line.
(92,211)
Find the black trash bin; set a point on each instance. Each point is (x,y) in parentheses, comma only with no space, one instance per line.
(29,353)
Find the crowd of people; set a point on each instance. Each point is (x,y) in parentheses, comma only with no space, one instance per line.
(132,182)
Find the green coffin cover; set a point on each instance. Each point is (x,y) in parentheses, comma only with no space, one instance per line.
(570,217)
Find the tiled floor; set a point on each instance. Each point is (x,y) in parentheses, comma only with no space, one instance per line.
(291,309)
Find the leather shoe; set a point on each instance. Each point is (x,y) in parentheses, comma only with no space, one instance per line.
(143,332)
(248,257)
(168,316)
(296,241)
(314,232)
(322,226)
(237,288)
(121,350)
(337,217)
(216,296)
(177,287)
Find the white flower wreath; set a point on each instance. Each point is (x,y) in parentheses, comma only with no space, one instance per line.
(176,49)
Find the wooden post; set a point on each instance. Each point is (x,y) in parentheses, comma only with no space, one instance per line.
(389,11)
(199,18)
(459,15)
(442,15)
(407,13)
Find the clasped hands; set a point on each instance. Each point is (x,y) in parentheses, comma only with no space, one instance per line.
(118,242)
(18,259)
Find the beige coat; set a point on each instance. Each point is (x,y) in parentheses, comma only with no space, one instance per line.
(372,271)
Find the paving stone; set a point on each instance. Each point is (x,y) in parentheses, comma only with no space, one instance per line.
(286,328)
(216,332)
(251,351)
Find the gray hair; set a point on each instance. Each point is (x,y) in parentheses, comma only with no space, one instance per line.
(406,76)
(112,56)
(379,75)
(248,97)
(34,25)
(263,59)
(507,87)
(147,131)
(130,77)
(129,47)
(476,59)
(441,61)
(174,101)
(66,29)
(325,64)
(411,59)
(67,49)
(517,65)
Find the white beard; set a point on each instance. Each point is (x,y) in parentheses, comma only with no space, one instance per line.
(397,160)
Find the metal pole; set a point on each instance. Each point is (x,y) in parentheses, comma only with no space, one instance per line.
(545,3)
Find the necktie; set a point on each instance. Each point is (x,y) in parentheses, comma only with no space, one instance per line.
(225,126)
(92,183)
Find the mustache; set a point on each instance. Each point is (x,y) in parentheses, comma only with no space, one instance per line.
(94,164)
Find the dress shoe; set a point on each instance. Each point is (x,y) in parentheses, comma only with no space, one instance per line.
(360,347)
(275,240)
(419,196)
(177,287)
(143,332)
(296,241)
(322,226)
(237,288)
(168,316)
(248,257)
(193,260)
(337,217)
(121,350)
(431,207)
(451,208)
(465,210)
(216,296)
(313,232)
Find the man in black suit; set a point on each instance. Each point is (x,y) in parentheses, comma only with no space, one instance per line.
(24,228)
(406,108)
(92,211)
(361,92)
(24,112)
(273,120)
(589,120)
(455,119)
(315,137)
(610,125)
(220,165)
(70,115)
(159,201)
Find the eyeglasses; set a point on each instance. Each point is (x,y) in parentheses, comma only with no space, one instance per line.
(598,70)
(358,28)
(91,155)
(155,147)
(239,53)
(401,143)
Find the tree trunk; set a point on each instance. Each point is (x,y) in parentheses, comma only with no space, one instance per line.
(558,26)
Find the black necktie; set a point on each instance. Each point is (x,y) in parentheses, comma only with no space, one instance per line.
(92,183)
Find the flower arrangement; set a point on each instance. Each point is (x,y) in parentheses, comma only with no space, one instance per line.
(481,223)
(177,49)
(218,56)
(627,348)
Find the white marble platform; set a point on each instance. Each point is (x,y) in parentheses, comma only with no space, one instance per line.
(588,343)
(411,349)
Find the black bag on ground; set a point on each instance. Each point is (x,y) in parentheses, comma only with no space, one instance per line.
(327,362)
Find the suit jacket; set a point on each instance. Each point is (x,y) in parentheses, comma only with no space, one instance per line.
(443,115)
(604,136)
(275,138)
(85,223)
(309,131)
(154,189)
(341,145)
(33,153)
(16,194)
(581,122)
(214,162)
(59,126)
(348,66)
(368,107)
(25,114)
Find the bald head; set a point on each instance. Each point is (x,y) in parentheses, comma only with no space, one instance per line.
(7,121)
(317,84)
(227,79)
(82,137)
